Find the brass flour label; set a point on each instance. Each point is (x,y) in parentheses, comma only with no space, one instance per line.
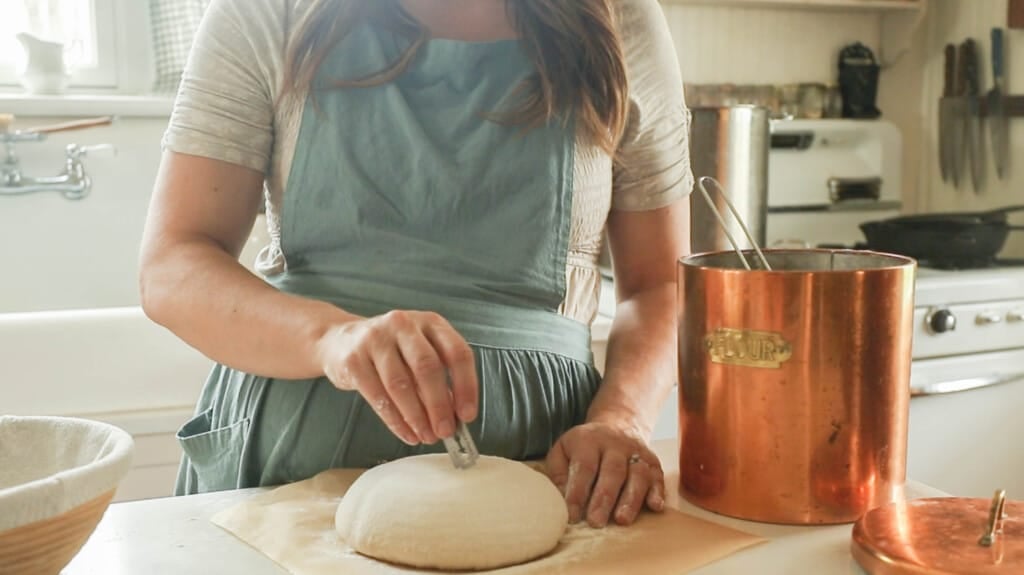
(747,348)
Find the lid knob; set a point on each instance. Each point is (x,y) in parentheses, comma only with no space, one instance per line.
(995,519)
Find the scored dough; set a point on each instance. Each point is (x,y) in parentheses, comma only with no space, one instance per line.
(423,512)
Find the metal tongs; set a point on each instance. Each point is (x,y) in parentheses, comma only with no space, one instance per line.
(725,227)
(461,447)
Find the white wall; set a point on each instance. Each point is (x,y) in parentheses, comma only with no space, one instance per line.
(764,46)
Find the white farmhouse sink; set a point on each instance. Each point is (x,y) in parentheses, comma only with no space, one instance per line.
(112,365)
(94,361)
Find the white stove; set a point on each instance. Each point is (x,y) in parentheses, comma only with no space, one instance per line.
(967,377)
(963,312)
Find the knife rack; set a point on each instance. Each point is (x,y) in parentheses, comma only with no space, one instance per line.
(1014,107)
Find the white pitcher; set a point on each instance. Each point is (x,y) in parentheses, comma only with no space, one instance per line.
(44,71)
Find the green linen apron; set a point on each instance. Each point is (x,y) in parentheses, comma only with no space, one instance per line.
(403,196)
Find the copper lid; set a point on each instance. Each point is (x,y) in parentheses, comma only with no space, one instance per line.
(943,536)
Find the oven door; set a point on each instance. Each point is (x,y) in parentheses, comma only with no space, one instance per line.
(967,423)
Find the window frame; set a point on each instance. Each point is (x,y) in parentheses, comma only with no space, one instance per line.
(106,16)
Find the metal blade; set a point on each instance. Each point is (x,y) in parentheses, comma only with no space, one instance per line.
(945,113)
(462,448)
(999,135)
(975,144)
(998,128)
(958,119)
(975,141)
(958,128)
(946,149)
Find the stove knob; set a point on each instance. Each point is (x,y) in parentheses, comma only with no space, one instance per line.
(1015,316)
(941,321)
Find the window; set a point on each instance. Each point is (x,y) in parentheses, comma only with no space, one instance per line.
(85,27)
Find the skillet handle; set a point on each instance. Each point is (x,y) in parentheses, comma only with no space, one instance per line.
(1008,210)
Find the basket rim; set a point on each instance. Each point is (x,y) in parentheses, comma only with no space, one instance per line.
(56,494)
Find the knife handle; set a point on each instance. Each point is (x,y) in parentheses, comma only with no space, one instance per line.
(949,71)
(997,55)
(970,67)
(961,70)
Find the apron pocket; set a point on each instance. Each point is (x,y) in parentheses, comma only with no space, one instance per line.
(214,454)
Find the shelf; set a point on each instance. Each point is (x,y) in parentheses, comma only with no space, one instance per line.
(85,105)
(835,5)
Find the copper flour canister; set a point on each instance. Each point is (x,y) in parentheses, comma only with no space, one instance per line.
(794,383)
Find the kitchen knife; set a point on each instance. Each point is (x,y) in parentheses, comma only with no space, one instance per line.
(997,122)
(958,120)
(975,138)
(946,105)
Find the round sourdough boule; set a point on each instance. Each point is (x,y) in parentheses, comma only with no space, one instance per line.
(422,512)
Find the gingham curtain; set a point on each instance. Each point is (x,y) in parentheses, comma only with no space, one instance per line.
(175,23)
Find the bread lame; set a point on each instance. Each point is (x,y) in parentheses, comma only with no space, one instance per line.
(461,447)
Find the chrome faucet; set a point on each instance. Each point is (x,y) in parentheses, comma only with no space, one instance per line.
(72,182)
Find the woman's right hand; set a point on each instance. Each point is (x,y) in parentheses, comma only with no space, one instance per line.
(400,362)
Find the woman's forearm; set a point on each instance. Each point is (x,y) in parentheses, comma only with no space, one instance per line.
(202,294)
(640,365)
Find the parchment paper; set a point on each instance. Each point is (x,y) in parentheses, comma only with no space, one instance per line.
(294,526)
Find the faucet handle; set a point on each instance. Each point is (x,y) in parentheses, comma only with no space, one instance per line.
(75,151)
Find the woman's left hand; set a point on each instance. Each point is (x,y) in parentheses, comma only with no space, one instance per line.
(606,473)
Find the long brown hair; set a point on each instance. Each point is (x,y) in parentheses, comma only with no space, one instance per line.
(573,44)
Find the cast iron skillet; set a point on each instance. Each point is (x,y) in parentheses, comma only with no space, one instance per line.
(947,239)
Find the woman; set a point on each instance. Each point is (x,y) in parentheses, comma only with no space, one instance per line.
(437,176)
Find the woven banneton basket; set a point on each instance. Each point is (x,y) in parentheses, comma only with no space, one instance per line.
(57,478)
